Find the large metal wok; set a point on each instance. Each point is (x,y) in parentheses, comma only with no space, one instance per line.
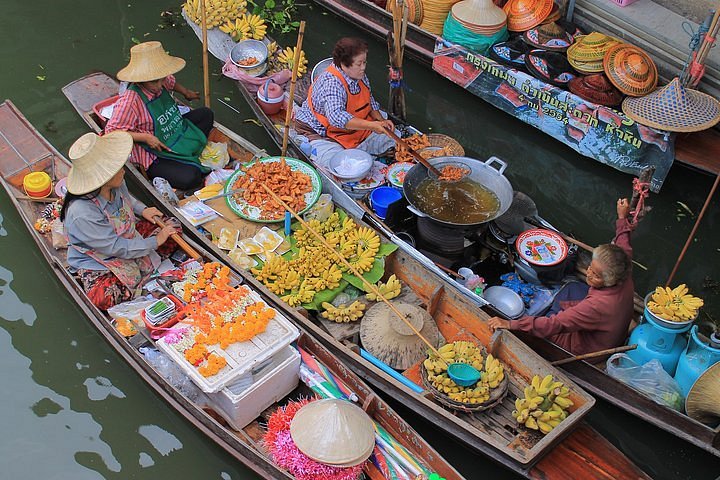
(488,173)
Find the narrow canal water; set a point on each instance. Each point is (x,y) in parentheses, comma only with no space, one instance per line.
(72,409)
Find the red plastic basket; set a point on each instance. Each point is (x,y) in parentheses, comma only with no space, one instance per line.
(623,3)
(97,108)
(156,330)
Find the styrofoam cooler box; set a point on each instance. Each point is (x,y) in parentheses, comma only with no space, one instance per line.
(271,383)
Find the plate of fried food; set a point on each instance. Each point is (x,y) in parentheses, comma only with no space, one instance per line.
(295,182)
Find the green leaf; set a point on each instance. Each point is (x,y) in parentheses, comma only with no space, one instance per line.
(295,24)
(373,275)
(325,296)
(386,249)
(279,16)
(135,40)
(270,4)
(41,77)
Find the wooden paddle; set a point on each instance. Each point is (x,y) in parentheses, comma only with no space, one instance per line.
(291,99)
(599,353)
(179,240)
(206,71)
(412,152)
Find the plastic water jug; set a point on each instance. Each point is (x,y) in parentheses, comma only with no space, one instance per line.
(655,341)
(698,357)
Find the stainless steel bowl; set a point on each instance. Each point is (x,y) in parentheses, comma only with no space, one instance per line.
(505,300)
(246,49)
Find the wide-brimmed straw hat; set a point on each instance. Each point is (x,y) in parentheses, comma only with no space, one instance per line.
(95,160)
(630,69)
(674,108)
(525,14)
(148,62)
(587,53)
(479,12)
(548,36)
(596,89)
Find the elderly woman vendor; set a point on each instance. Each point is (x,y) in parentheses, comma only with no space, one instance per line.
(167,144)
(340,111)
(108,249)
(600,320)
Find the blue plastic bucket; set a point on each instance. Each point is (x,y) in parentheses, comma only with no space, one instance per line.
(382,197)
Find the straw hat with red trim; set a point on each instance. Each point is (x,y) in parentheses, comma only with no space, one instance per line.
(525,14)
(674,108)
(596,89)
(148,62)
(630,69)
(95,160)
(548,36)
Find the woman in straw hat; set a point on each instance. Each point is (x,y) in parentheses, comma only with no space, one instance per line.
(582,319)
(167,144)
(340,111)
(108,249)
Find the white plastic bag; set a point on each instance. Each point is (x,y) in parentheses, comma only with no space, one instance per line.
(57,232)
(215,155)
(649,379)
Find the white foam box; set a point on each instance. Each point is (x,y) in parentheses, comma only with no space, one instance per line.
(272,382)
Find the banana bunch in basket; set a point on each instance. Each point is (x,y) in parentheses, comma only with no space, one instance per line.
(544,406)
(674,304)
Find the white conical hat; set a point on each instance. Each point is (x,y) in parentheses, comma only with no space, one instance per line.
(333,432)
(148,62)
(95,160)
(479,12)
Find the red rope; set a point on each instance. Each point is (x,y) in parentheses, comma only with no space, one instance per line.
(642,189)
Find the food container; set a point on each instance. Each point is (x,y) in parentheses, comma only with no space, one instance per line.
(37,184)
(270,97)
(544,250)
(320,67)
(245,51)
(505,300)
(351,165)
(382,197)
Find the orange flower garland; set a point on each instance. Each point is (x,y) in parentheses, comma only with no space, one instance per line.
(213,277)
(215,363)
(196,354)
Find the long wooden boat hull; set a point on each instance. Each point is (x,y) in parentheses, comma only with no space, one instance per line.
(23,146)
(582,449)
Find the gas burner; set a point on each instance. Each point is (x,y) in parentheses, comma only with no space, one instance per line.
(501,235)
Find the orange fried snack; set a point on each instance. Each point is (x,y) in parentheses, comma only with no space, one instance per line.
(451,173)
(289,185)
(416,142)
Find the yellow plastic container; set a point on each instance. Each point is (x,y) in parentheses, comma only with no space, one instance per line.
(37,184)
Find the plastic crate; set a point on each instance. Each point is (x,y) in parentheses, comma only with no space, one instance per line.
(239,407)
(97,108)
(623,3)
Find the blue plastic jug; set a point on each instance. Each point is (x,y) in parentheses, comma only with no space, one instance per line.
(698,357)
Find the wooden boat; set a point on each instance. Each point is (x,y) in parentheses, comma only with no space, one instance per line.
(696,150)
(575,452)
(23,149)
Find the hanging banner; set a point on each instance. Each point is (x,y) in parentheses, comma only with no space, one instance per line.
(601,133)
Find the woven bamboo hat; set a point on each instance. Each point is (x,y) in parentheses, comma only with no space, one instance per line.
(333,432)
(554,15)
(548,36)
(674,108)
(525,14)
(95,160)
(148,62)
(702,403)
(587,52)
(390,339)
(596,89)
(479,12)
(630,69)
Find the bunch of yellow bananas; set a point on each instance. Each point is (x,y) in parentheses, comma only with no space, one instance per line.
(343,313)
(238,29)
(544,405)
(209,191)
(494,372)
(217,12)
(389,289)
(674,304)
(287,58)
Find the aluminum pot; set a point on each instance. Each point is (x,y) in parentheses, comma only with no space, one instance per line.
(488,174)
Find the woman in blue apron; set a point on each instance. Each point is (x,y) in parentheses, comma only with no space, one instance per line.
(168,144)
(110,249)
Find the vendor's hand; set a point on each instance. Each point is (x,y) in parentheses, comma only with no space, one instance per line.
(191,95)
(496,322)
(623,208)
(150,213)
(165,233)
(155,143)
(379,126)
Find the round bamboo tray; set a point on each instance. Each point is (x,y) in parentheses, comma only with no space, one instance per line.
(452,147)
(496,396)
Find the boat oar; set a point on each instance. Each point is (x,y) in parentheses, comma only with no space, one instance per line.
(599,353)
(206,71)
(291,98)
(179,240)
(412,152)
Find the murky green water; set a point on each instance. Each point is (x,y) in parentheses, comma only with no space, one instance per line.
(72,409)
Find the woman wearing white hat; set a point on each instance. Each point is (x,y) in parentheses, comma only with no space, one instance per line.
(167,144)
(109,250)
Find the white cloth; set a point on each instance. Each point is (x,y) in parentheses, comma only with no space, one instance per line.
(323,150)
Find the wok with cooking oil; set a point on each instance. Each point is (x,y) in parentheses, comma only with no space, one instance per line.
(481,196)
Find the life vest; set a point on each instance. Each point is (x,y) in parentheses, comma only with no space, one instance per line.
(357,105)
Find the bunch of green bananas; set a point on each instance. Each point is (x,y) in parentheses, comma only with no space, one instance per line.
(217,12)
(544,405)
(389,289)
(674,304)
(343,313)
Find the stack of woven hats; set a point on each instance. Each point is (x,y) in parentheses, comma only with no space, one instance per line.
(476,24)
(415,10)
(434,14)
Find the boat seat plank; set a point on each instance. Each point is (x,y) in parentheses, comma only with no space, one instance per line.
(700,150)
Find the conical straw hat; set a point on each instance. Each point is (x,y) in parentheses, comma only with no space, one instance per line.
(597,89)
(526,14)
(674,108)
(548,36)
(702,403)
(554,15)
(389,338)
(591,47)
(148,62)
(630,69)
(479,12)
(333,432)
(95,160)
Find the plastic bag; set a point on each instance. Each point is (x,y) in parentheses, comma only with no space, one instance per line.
(130,309)
(650,379)
(57,232)
(163,187)
(215,155)
(171,372)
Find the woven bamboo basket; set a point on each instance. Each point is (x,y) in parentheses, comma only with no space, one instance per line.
(452,147)
(496,396)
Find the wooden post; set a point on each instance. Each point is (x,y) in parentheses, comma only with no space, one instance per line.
(291,99)
(206,72)
(396,47)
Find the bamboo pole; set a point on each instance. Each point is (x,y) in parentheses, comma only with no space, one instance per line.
(206,71)
(599,353)
(291,99)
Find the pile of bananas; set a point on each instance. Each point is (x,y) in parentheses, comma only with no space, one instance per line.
(312,269)
(244,27)
(209,191)
(674,304)
(490,368)
(389,289)
(217,12)
(287,57)
(343,313)
(544,406)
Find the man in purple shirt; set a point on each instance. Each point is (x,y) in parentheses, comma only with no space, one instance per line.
(601,319)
